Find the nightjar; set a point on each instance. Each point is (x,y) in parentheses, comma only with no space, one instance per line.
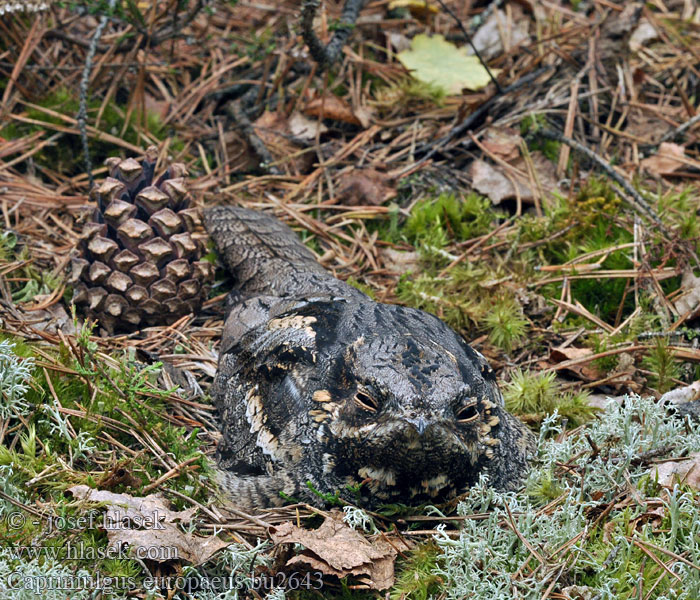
(320,389)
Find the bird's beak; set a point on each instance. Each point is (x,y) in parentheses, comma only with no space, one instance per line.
(420,424)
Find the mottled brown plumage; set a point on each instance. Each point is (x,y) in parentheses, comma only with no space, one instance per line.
(320,386)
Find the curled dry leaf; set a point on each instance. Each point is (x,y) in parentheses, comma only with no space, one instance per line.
(584,371)
(689,302)
(642,35)
(303,128)
(336,549)
(671,472)
(336,109)
(504,142)
(490,36)
(275,131)
(148,526)
(362,187)
(491,180)
(399,261)
(666,161)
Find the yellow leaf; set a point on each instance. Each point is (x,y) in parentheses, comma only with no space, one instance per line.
(435,61)
(420,9)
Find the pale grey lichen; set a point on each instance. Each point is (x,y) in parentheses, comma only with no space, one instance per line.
(484,560)
(15,375)
(356,517)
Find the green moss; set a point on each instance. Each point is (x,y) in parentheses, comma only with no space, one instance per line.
(447,218)
(506,324)
(416,577)
(537,395)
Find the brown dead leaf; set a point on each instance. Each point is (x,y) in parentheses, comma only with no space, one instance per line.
(336,109)
(642,35)
(504,142)
(274,130)
(303,128)
(363,187)
(689,301)
(498,27)
(666,160)
(684,471)
(336,549)
(399,261)
(584,371)
(148,526)
(491,181)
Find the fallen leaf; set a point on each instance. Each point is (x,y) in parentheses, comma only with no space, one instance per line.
(666,160)
(504,142)
(642,35)
(148,526)
(399,41)
(682,395)
(671,472)
(488,38)
(399,261)
(584,370)
(362,187)
(332,107)
(491,181)
(419,9)
(435,61)
(303,128)
(689,300)
(647,127)
(274,131)
(336,549)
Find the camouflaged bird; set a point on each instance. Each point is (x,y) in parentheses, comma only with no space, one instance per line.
(320,386)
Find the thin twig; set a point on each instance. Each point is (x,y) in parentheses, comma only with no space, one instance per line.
(636,199)
(677,132)
(326,55)
(85,80)
(469,40)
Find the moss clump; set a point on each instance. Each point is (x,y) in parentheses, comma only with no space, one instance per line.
(537,395)
(436,222)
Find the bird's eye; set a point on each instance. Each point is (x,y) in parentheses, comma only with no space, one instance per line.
(366,402)
(467,413)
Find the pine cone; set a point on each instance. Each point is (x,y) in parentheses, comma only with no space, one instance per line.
(140,253)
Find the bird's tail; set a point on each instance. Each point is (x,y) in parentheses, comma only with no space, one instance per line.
(264,255)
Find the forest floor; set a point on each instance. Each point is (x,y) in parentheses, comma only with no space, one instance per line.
(546,209)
